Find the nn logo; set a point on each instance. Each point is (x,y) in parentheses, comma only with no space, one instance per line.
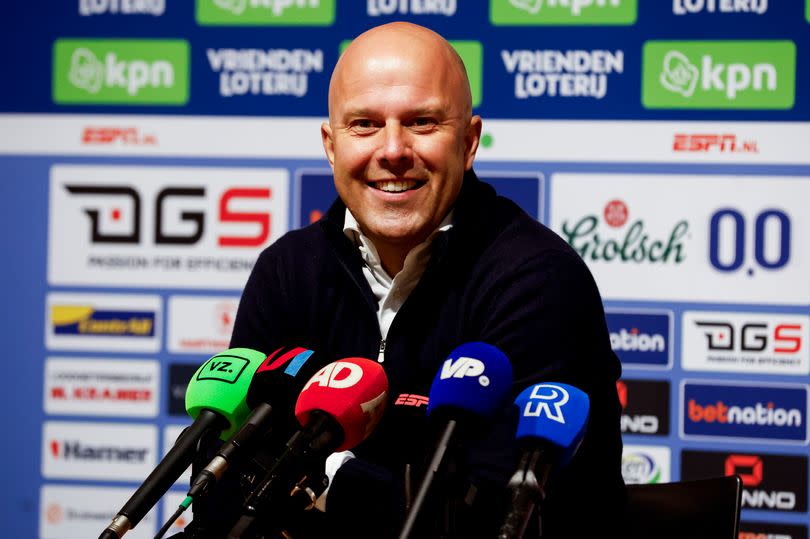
(265,12)
(719,74)
(562,12)
(464,367)
(121,71)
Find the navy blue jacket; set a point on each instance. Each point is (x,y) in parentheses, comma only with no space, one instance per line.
(497,276)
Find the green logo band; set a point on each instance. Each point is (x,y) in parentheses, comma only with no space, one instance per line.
(719,74)
(120,71)
(265,12)
(562,12)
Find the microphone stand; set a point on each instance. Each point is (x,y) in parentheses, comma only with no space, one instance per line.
(200,524)
(528,490)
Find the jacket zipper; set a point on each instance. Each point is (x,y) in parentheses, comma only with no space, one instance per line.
(381,354)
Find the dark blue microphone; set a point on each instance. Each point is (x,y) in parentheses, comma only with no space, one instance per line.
(471,385)
(552,423)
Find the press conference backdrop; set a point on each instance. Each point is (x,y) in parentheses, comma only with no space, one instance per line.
(149,149)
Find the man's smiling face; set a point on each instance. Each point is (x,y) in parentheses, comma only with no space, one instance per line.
(400,132)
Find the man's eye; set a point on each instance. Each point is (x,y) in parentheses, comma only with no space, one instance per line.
(422,122)
(363,126)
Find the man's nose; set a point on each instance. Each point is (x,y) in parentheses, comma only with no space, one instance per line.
(396,149)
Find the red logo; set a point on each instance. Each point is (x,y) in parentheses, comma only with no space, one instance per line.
(127,136)
(55,448)
(621,389)
(726,143)
(748,467)
(54,513)
(616,213)
(409,399)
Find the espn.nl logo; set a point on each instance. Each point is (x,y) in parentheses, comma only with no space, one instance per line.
(712,142)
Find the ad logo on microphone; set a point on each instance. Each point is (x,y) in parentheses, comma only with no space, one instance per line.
(337,375)
(548,400)
(464,367)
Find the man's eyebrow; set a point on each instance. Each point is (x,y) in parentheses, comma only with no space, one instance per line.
(363,112)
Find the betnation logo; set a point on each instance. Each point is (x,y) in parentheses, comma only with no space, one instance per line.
(771,412)
(121,71)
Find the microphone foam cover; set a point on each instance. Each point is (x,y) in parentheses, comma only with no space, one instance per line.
(476,377)
(353,390)
(280,377)
(221,385)
(555,413)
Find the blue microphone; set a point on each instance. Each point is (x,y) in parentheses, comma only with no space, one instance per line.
(552,423)
(471,385)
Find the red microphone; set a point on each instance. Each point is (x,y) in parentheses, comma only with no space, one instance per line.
(338,408)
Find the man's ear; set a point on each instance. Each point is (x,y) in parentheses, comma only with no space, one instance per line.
(328,143)
(471,139)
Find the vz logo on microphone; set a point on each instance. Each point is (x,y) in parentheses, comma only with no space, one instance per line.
(337,375)
(464,367)
(548,400)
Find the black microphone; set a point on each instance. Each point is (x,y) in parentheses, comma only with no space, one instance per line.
(338,408)
(552,423)
(472,384)
(216,399)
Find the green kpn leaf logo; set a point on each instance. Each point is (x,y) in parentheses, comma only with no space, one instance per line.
(265,12)
(121,72)
(719,74)
(562,12)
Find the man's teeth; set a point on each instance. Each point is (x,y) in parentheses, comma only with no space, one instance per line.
(396,186)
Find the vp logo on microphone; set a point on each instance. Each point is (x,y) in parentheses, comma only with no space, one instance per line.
(548,400)
(337,375)
(464,367)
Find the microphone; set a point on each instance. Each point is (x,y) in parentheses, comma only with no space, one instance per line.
(270,395)
(471,385)
(552,423)
(338,408)
(216,400)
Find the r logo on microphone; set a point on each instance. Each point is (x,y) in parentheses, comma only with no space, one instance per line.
(337,375)
(541,400)
(464,367)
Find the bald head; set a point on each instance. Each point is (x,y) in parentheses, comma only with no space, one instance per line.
(404,46)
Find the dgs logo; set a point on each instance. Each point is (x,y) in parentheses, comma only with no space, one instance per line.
(195,219)
(731,242)
(753,337)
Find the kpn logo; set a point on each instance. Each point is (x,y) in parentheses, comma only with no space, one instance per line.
(719,74)
(121,71)
(562,12)
(265,12)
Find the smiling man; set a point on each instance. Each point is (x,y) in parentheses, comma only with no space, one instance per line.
(414,258)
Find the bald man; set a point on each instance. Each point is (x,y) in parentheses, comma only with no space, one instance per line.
(414,258)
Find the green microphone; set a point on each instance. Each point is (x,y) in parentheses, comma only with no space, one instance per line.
(216,400)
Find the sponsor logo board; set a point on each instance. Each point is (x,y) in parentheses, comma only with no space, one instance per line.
(102,387)
(121,71)
(718,74)
(103,451)
(645,406)
(715,238)
(118,322)
(162,226)
(770,482)
(562,12)
(562,74)
(200,324)
(646,464)
(641,338)
(83,511)
(265,12)
(761,343)
(753,412)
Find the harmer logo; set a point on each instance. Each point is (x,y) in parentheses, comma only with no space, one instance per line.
(562,12)
(719,74)
(265,12)
(120,71)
